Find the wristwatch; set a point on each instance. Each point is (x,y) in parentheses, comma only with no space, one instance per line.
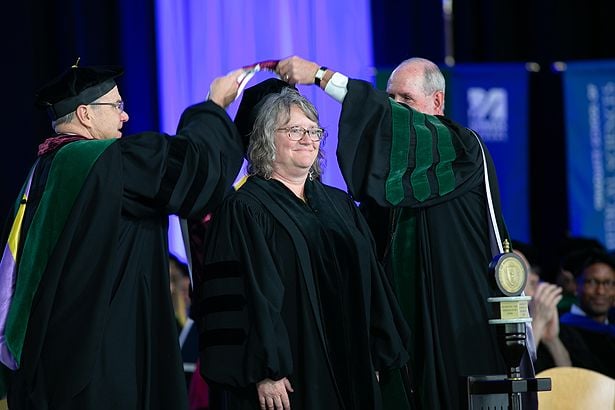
(319,75)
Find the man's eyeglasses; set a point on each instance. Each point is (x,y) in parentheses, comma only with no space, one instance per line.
(296,133)
(119,105)
(594,283)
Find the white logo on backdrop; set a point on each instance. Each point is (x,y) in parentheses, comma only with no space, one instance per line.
(488,113)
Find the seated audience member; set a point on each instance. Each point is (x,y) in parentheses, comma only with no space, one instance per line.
(180,295)
(545,319)
(294,309)
(565,279)
(571,253)
(585,330)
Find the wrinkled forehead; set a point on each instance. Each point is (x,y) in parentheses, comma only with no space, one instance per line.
(408,76)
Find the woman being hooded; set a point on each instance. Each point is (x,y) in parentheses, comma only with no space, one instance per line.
(294,311)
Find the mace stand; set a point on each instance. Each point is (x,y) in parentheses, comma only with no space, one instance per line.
(504,392)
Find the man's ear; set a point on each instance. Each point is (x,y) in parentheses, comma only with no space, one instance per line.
(83,114)
(439,102)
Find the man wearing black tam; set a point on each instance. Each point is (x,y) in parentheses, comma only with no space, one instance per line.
(86,317)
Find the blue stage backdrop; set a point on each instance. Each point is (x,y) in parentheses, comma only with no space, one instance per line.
(492,99)
(589,96)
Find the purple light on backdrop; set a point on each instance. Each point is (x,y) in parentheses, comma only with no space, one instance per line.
(200,40)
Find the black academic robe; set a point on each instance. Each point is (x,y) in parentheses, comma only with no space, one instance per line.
(591,345)
(294,289)
(101,331)
(426,175)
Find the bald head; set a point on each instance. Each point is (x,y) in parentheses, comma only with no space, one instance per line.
(418,83)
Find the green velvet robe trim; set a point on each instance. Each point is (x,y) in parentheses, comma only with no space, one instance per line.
(446,151)
(71,166)
(399,153)
(423,157)
(403,265)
